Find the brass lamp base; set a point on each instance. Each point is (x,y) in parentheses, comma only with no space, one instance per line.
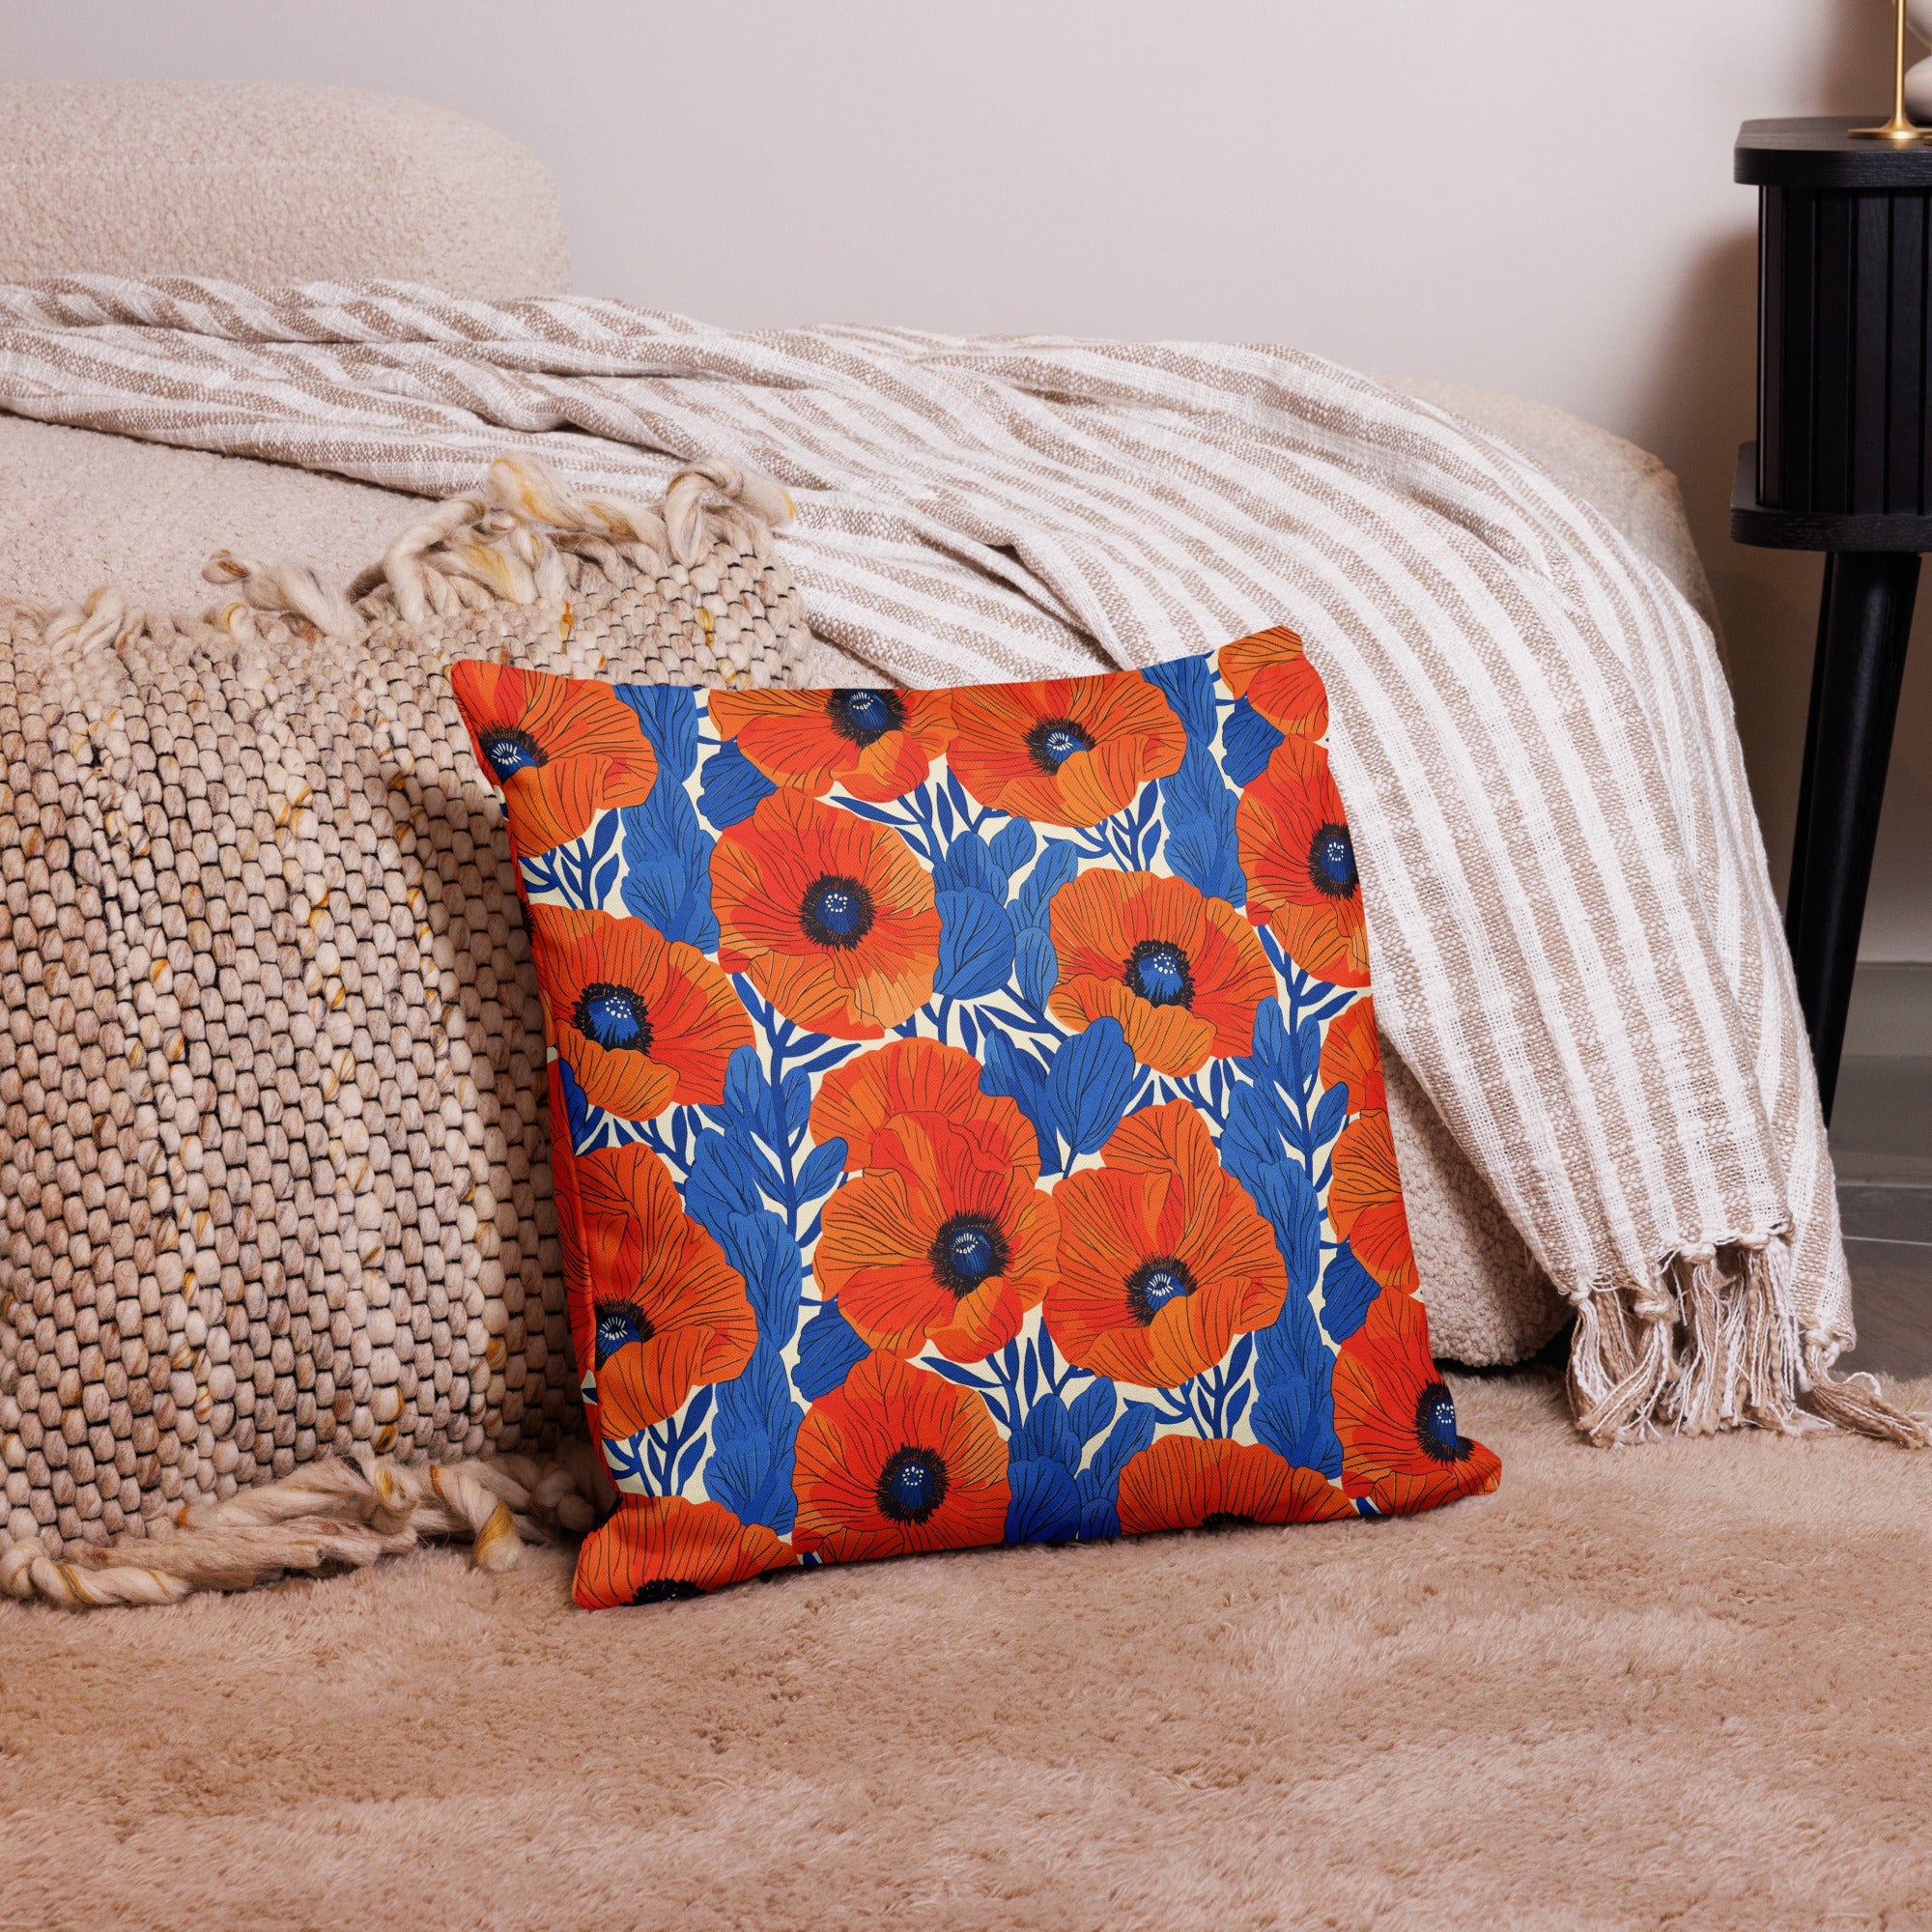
(1899,128)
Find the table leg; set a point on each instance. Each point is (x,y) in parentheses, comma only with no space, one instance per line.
(1864,619)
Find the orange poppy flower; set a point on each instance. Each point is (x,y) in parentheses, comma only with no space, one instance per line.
(831,915)
(1271,671)
(655,1549)
(1396,1420)
(1181,1482)
(1067,751)
(943,1238)
(562,749)
(1365,1203)
(1352,1056)
(643,1022)
(670,1311)
(1183,973)
(1163,1259)
(914,1076)
(1301,864)
(877,744)
(897,1460)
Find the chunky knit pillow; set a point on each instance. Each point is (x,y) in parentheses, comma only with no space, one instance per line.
(968,1120)
(273,1163)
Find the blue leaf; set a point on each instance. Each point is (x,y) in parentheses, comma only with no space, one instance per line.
(821,1170)
(1045,1505)
(1093,1409)
(1013,845)
(1099,1515)
(968,866)
(732,787)
(667,716)
(1329,1113)
(1308,1055)
(1197,792)
(1047,1435)
(1238,1404)
(753,1478)
(1257,1135)
(759,1401)
(1057,862)
(1130,1434)
(761,1247)
(1247,742)
(1038,965)
(797,1106)
(1188,686)
(976,945)
(1295,1404)
(723,1184)
(1094,1078)
(828,1349)
(1011,1070)
(686,1464)
(1207,854)
(1347,1290)
(1287,1202)
(1271,1044)
(745,1085)
(577,1107)
(668,867)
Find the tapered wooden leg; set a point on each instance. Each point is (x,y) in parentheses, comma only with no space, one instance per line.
(1864,623)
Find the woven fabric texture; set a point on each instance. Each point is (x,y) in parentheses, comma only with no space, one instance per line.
(274,1157)
(1582,958)
(968,1117)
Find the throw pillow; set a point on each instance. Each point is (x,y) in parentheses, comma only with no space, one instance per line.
(968,1121)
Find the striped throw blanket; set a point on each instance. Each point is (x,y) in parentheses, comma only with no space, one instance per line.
(1576,948)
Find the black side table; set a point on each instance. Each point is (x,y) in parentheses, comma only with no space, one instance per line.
(1843,464)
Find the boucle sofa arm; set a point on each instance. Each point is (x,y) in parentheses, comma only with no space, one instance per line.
(270,185)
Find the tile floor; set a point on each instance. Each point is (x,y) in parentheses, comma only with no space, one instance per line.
(1882,1147)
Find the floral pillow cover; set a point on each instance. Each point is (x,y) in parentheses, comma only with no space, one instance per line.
(967,1116)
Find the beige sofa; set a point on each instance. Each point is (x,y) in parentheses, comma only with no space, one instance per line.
(278,183)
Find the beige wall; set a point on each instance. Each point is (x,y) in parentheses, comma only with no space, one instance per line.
(1529,194)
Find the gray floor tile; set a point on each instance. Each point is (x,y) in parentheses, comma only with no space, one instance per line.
(1882,1148)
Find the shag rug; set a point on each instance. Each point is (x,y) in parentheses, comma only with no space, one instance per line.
(1685,1684)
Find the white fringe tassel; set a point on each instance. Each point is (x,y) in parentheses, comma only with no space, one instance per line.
(335,1514)
(1713,1342)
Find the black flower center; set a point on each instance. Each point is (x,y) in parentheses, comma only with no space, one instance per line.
(1054,741)
(615,1017)
(1436,1426)
(967,1250)
(1154,1284)
(1331,862)
(510,751)
(1159,972)
(619,1323)
(836,912)
(1227,1519)
(912,1484)
(666,1590)
(865,716)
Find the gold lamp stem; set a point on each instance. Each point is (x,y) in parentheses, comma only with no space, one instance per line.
(1899,128)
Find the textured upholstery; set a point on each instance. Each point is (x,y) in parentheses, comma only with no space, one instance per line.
(270,185)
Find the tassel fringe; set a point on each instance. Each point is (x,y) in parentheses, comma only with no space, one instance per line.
(1712,1344)
(333,1515)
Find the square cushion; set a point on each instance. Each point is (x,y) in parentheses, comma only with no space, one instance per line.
(967,1116)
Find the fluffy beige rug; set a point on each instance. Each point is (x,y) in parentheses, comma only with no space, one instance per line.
(1685,1684)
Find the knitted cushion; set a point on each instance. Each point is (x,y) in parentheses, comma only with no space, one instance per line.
(970,1122)
(273,1156)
